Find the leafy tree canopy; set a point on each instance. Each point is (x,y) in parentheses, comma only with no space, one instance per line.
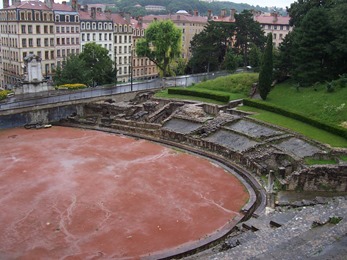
(161,44)
(101,66)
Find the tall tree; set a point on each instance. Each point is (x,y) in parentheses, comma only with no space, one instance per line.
(265,75)
(247,31)
(312,59)
(161,44)
(96,58)
(209,47)
(74,70)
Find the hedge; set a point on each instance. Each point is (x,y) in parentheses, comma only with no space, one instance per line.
(71,86)
(278,110)
(199,93)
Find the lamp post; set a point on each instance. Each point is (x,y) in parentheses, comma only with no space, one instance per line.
(131,68)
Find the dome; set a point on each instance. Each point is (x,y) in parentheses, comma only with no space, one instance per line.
(181,12)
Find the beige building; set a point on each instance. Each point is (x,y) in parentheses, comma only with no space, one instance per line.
(275,24)
(143,68)
(30,28)
(189,24)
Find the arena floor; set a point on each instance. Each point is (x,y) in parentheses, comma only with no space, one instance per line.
(79,194)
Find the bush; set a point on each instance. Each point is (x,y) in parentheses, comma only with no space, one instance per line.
(199,93)
(3,94)
(71,86)
(278,110)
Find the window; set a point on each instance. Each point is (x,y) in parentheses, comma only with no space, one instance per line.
(82,26)
(67,18)
(58,29)
(45,29)
(77,29)
(93,26)
(30,42)
(51,41)
(88,37)
(105,36)
(281,36)
(58,53)
(63,41)
(46,42)
(37,16)
(275,36)
(100,26)
(72,29)
(58,41)
(83,37)
(24,42)
(63,52)
(68,41)
(77,40)
(23,29)
(110,26)
(76,19)
(38,42)
(38,29)
(100,36)
(39,54)
(29,16)
(51,29)
(88,26)
(57,18)
(46,56)
(52,54)
(72,40)
(94,37)
(30,29)
(110,36)
(62,29)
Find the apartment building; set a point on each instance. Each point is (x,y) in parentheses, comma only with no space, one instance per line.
(275,24)
(143,68)
(46,29)
(122,40)
(190,24)
(67,31)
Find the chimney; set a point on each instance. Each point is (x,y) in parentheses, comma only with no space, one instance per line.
(209,17)
(140,21)
(99,10)
(232,14)
(64,2)
(6,3)
(79,7)
(127,17)
(74,4)
(49,3)
(93,12)
(223,13)
(85,7)
(275,17)
(196,12)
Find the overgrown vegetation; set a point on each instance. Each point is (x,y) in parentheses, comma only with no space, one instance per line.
(312,161)
(3,94)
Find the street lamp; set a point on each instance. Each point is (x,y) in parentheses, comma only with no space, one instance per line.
(131,68)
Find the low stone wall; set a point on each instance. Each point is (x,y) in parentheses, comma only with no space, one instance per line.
(319,178)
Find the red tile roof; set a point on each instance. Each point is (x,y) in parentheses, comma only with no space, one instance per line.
(62,7)
(34,5)
(270,19)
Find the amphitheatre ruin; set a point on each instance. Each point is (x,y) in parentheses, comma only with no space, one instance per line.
(152,178)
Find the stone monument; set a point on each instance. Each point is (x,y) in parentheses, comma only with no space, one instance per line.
(33,80)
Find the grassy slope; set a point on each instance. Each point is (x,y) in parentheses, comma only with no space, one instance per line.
(330,108)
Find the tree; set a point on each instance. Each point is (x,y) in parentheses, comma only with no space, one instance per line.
(73,71)
(209,47)
(312,56)
(99,63)
(231,61)
(254,56)
(265,75)
(161,44)
(247,31)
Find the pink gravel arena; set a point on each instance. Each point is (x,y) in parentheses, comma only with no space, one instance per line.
(79,194)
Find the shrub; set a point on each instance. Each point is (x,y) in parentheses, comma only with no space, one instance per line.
(268,107)
(71,86)
(199,93)
(3,94)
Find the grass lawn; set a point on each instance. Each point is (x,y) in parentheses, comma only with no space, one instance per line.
(298,126)
(314,102)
